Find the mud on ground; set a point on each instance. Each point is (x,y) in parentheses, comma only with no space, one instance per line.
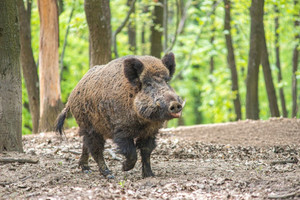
(239,160)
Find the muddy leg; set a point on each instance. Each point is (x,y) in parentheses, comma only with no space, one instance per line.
(127,148)
(95,143)
(147,146)
(84,159)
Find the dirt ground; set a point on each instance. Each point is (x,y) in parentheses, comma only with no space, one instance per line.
(238,160)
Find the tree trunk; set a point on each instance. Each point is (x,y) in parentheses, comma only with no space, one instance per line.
(268,75)
(277,52)
(165,24)
(50,97)
(132,30)
(295,63)
(143,33)
(231,61)
(28,64)
(212,38)
(98,18)
(156,29)
(10,79)
(197,104)
(256,13)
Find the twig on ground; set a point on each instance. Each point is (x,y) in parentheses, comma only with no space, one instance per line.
(283,162)
(20,160)
(285,196)
(5,183)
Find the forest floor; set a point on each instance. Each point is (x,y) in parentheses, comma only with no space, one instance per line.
(238,160)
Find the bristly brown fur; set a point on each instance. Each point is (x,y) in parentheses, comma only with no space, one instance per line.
(124,100)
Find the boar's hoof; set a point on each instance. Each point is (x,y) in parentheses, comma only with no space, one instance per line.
(110,176)
(86,169)
(147,174)
(128,165)
(107,173)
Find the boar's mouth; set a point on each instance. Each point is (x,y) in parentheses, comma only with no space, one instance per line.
(176,115)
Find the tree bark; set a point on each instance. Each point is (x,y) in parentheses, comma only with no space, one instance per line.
(98,18)
(212,38)
(156,29)
(268,75)
(10,79)
(143,33)
(277,52)
(295,63)
(50,96)
(28,64)
(256,13)
(132,30)
(165,24)
(231,61)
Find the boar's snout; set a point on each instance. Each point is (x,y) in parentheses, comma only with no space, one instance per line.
(175,109)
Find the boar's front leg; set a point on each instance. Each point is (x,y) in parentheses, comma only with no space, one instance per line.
(146,145)
(95,143)
(127,148)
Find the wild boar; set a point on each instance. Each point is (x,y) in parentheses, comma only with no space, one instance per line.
(126,100)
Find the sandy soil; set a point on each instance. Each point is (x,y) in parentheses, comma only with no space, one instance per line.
(238,160)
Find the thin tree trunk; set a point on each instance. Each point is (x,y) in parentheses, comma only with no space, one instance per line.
(98,18)
(143,40)
(10,79)
(50,96)
(197,104)
(165,24)
(277,52)
(143,33)
(256,13)
(65,44)
(212,38)
(231,60)
(181,8)
(28,64)
(268,75)
(180,121)
(119,29)
(156,29)
(295,63)
(132,30)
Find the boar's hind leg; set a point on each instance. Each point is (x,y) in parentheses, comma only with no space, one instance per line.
(95,143)
(83,162)
(146,146)
(127,148)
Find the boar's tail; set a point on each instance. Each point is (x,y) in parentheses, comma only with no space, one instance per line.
(61,119)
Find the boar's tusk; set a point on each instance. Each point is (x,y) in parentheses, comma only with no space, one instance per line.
(183,104)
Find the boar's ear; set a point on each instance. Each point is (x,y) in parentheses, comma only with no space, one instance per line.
(132,70)
(169,61)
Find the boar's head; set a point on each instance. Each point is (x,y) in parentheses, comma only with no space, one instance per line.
(155,100)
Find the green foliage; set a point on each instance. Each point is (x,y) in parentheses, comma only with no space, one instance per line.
(208,96)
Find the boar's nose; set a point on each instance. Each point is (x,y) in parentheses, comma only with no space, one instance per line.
(175,109)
